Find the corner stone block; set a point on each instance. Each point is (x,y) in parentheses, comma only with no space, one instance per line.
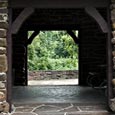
(2,50)
(3,63)
(3,3)
(113,82)
(2,96)
(3,42)
(114,67)
(2,33)
(113,47)
(3,76)
(113,1)
(112,6)
(114,59)
(112,105)
(4,107)
(113,14)
(3,17)
(113,20)
(113,33)
(2,85)
(113,26)
(4,91)
(113,53)
(113,40)
(3,24)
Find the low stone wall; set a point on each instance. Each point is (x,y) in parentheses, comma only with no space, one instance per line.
(47,75)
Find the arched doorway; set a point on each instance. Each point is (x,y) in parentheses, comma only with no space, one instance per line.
(66,18)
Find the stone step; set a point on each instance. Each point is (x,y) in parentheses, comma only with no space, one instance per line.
(77,113)
(90,113)
(59,109)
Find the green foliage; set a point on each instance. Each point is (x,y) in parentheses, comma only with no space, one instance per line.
(52,50)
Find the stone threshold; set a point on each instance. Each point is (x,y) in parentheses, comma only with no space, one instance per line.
(62,111)
(58,109)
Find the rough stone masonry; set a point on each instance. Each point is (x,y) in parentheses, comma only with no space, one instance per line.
(4,106)
(112,9)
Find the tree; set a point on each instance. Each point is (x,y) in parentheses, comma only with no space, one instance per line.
(48,50)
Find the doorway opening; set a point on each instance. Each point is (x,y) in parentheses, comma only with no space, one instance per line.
(53,58)
(92,57)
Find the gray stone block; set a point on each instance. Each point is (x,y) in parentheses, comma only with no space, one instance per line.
(2,50)
(3,63)
(3,42)
(3,24)
(3,4)
(3,76)
(113,1)
(3,33)
(113,33)
(3,17)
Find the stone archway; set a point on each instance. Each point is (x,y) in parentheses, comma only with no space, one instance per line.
(4,106)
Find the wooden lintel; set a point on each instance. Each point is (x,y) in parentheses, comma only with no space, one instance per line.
(32,37)
(93,12)
(57,3)
(75,38)
(20,19)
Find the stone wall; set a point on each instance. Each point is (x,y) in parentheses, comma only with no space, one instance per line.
(112,9)
(4,106)
(48,75)
(113,31)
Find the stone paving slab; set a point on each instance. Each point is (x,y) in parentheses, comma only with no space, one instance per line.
(24,113)
(37,114)
(89,113)
(74,113)
(77,113)
(58,109)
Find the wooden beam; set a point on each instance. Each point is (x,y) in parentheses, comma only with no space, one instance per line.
(20,19)
(75,38)
(9,58)
(110,73)
(32,37)
(98,18)
(57,3)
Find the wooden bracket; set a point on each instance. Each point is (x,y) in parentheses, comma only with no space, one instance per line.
(20,19)
(33,36)
(75,38)
(93,12)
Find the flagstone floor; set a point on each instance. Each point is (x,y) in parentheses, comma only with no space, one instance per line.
(59,109)
(58,94)
(59,100)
